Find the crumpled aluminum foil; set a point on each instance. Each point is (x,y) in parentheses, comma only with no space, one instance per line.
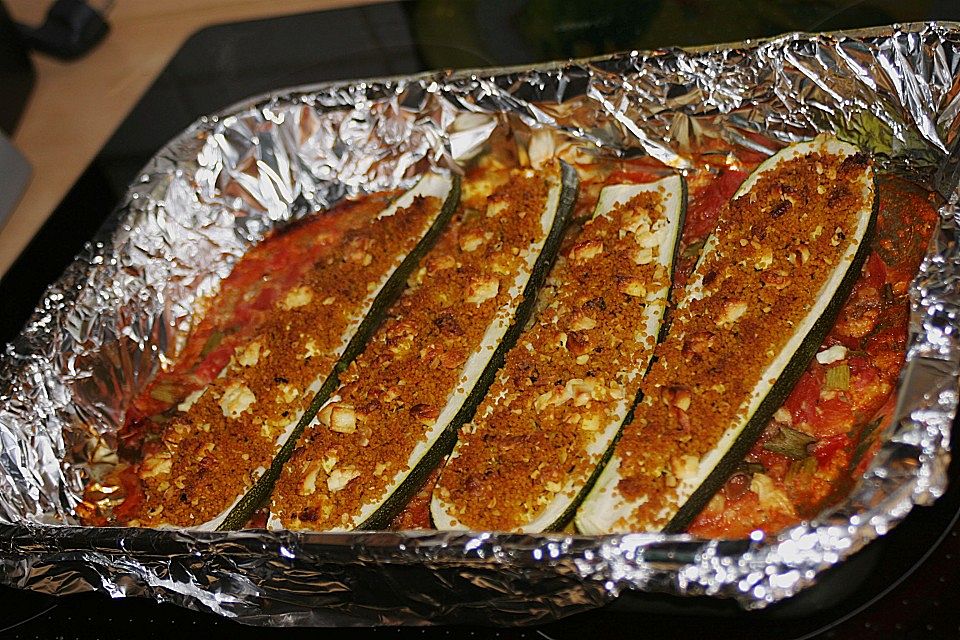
(121,310)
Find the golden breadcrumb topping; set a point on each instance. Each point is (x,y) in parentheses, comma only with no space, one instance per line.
(392,395)
(777,246)
(213,450)
(571,376)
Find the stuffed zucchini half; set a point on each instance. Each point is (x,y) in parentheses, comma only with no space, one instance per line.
(420,377)
(223,437)
(781,263)
(552,415)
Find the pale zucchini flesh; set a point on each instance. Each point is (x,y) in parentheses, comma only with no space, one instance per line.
(606,510)
(481,365)
(561,507)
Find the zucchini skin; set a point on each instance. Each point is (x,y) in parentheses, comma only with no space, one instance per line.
(257,495)
(782,388)
(571,510)
(445,443)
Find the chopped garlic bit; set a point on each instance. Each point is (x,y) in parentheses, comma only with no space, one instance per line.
(156,465)
(288,392)
(440,263)
(634,287)
(782,415)
(764,259)
(732,312)
(590,422)
(340,417)
(471,240)
(686,466)
(771,497)
(309,484)
(311,349)
(582,322)
(190,400)
(330,462)
(583,251)
(643,256)
(482,289)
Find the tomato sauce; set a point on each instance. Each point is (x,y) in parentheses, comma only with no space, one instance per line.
(837,419)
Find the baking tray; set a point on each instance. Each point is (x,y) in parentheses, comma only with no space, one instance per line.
(890,89)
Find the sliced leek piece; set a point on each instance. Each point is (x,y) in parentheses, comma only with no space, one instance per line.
(551,418)
(422,374)
(772,280)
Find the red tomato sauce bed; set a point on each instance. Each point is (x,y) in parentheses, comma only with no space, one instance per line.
(821,439)
(245,299)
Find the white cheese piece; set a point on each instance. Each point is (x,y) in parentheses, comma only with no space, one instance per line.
(236,399)
(834,354)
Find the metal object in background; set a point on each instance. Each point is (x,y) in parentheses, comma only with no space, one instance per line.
(14,176)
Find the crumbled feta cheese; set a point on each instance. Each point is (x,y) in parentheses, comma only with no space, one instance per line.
(482,289)
(834,354)
(236,399)
(249,355)
(288,392)
(298,297)
(156,465)
(311,349)
(732,312)
(340,478)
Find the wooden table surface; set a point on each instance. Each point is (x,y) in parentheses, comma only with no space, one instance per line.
(76,106)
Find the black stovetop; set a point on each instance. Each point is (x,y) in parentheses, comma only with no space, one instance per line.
(905,586)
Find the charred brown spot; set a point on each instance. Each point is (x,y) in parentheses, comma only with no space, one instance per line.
(309,514)
(448,324)
(696,344)
(596,303)
(856,162)
(578,342)
(368,408)
(837,194)
(424,412)
(781,208)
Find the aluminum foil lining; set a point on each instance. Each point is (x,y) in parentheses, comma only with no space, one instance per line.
(121,310)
